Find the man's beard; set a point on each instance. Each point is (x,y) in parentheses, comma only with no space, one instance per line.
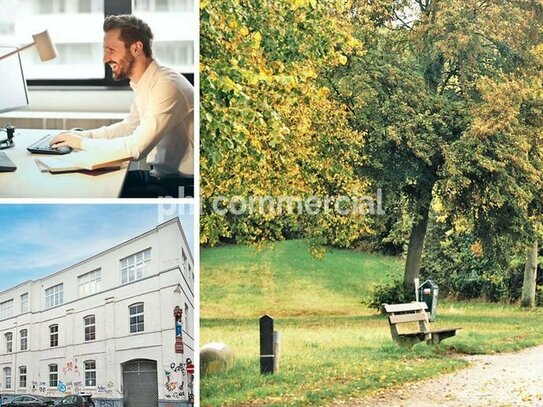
(126,65)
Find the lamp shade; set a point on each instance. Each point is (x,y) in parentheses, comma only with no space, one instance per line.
(46,48)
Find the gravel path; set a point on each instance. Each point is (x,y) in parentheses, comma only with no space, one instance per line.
(509,379)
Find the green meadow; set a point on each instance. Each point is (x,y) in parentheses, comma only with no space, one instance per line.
(333,346)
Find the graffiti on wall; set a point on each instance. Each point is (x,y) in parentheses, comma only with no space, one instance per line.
(177,381)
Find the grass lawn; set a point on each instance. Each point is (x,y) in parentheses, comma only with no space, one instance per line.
(333,346)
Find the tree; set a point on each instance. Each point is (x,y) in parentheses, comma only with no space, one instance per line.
(530,276)
(425,70)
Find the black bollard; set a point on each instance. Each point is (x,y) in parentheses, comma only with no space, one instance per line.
(266,345)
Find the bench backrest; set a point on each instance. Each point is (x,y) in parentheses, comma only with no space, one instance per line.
(412,306)
(407,313)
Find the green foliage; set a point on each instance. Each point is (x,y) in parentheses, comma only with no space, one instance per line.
(389,293)
(268,124)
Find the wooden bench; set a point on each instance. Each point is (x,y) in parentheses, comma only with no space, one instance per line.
(413,313)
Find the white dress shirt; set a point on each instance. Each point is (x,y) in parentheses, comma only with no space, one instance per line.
(160,124)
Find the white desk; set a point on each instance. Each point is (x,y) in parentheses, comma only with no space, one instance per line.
(29,182)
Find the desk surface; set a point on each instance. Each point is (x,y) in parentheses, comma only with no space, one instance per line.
(29,182)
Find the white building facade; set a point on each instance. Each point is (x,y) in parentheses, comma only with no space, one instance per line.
(105,326)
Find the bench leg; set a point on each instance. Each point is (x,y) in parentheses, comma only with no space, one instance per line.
(440,336)
(409,341)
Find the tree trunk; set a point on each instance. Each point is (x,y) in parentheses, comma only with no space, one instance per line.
(414,250)
(530,276)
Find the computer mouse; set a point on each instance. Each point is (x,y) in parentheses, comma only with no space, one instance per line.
(64,150)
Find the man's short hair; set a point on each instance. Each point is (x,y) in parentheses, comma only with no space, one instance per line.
(132,30)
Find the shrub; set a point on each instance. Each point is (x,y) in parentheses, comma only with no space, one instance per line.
(389,293)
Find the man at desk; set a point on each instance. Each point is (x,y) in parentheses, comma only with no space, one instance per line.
(160,123)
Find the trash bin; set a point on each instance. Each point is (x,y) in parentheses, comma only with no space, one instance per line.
(428,293)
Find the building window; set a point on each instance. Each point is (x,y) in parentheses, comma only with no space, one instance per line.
(9,342)
(53,375)
(54,296)
(132,267)
(184,260)
(22,376)
(24,339)
(53,335)
(7,377)
(136,318)
(89,283)
(24,303)
(90,373)
(6,309)
(186,318)
(90,328)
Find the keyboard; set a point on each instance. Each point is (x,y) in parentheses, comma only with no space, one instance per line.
(42,147)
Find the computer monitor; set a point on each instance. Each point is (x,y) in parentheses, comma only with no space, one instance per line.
(13,92)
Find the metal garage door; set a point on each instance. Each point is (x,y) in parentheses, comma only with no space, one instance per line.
(140,383)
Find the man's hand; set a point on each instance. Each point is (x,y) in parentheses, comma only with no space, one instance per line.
(70,139)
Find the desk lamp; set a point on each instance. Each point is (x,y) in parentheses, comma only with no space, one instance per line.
(46,51)
(42,41)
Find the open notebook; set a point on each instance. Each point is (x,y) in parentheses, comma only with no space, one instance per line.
(82,160)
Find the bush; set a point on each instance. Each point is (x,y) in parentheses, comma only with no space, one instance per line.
(389,293)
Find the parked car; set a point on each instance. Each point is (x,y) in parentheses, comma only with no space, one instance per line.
(26,400)
(77,400)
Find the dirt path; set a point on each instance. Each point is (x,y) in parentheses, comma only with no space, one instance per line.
(511,379)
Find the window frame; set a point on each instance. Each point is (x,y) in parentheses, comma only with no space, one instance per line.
(135,264)
(9,342)
(97,279)
(6,309)
(6,376)
(110,8)
(53,334)
(137,323)
(21,375)
(53,295)
(92,332)
(25,300)
(90,371)
(25,337)
(55,373)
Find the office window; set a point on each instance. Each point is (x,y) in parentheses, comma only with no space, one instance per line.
(9,342)
(53,375)
(136,318)
(53,336)
(90,328)
(22,377)
(174,27)
(90,283)
(24,303)
(79,51)
(54,296)
(174,24)
(90,373)
(7,377)
(24,339)
(132,267)
(6,309)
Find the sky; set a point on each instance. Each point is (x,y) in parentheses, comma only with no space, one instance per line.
(38,240)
